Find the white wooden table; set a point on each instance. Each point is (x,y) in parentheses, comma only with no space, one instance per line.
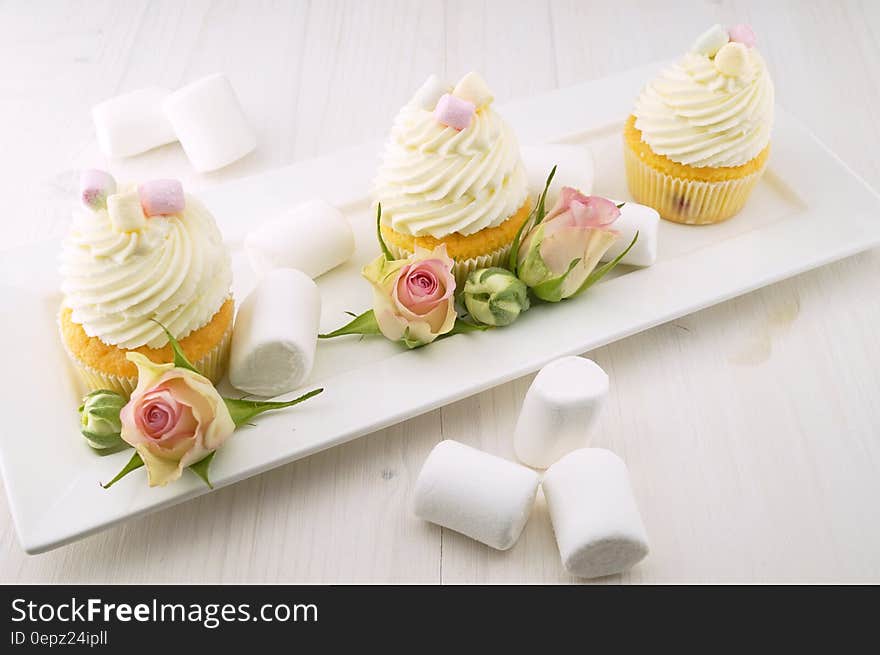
(751,429)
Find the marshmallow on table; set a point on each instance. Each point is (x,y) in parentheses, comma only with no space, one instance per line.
(482,496)
(275,334)
(132,123)
(635,218)
(594,514)
(313,237)
(559,409)
(210,123)
(574,168)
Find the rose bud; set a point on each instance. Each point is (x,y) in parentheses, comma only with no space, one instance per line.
(175,418)
(558,254)
(413,298)
(99,415)
(495,296)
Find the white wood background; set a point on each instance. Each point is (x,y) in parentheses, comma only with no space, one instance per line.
(751,429)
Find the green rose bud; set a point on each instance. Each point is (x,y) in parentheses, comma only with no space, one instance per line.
(495,296)
(100,419)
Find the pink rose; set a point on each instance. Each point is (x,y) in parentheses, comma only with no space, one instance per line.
(413,298)
(556,256)
(175,418)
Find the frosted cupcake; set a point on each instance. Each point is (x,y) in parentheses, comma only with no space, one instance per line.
(149,253)
(699,137)
(452,174)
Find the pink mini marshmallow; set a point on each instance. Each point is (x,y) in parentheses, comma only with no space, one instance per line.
(94,187)
(161,197)
(454,112)
(744,34)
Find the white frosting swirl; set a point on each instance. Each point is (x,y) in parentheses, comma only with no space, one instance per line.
(436,180)
(696,115)
(175,270)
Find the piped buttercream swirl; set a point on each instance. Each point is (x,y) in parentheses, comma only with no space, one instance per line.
(435,180)
(175,270)
(698,116)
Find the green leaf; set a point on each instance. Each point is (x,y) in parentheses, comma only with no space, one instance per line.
(551,290)
(603,270)
(462,326)
(537,216)
(385,250)
(180,360)
(133,464)
(244,410)
(200,468)
(620,205)
(363,324)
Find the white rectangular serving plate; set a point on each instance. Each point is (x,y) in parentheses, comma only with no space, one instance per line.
(808,210)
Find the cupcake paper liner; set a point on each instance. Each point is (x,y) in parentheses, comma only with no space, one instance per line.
(212,365)
(681,200)
(465,267)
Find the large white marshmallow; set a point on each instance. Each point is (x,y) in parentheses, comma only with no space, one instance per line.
(132,123)
(313,238)
(559,409)
(480,495)
(574,168)
(275,334)
(210,123)
(598,527)
(635,218)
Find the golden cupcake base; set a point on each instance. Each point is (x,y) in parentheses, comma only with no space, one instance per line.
(105,367)
(687,194)
(488,247)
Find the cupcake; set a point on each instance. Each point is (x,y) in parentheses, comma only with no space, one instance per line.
(452,174)
(699,137)
(131,260)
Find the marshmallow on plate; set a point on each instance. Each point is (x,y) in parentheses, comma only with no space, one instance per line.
(594,514)
(132,123)
(574,168)
(559,409)
(482,496)
(210,123)
(275,334)
(635,218)
(313,238)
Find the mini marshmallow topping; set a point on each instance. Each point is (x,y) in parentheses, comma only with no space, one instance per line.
(430,93)
(126,213)
(162,197)
(473,88)
(744,34)
(732,60)
(711,41)
(454,112)
(94,188)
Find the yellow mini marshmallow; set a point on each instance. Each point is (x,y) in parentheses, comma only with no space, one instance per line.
(732,60)
(473,88)
(126,213)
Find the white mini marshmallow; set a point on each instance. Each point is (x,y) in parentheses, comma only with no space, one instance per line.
(132,123)
(482,496)
(429,93)
(598,527)
(574,168)
(711,41)
(313,237)
(473,88)
(210,123)
(126,213)
(275,334)
(559,409)
(635,218)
